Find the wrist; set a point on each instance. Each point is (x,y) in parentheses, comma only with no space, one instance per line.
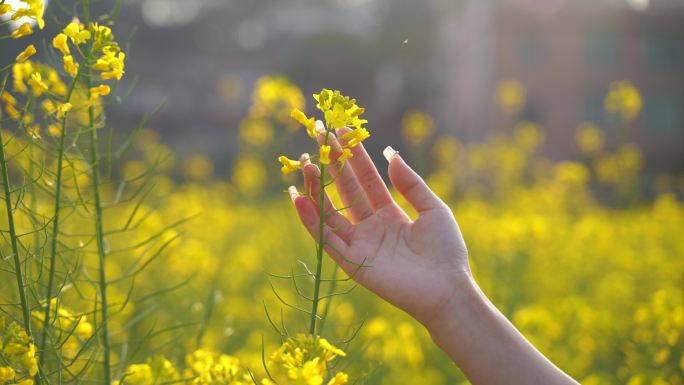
(461,313)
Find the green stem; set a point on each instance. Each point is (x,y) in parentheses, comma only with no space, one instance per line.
(26,312)
(99,234)
(329,298)
(55,220)
(321,244)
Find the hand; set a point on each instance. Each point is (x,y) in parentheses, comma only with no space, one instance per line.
(416,265)
(419,266)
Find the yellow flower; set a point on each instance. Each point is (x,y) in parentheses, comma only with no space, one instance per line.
(528,135)
(289,165)
(6,374)
(12,112)
(417,126)
(511,96)
(22,31)
(60,42)
(27,381)
(101,90)
(339,110)
(623,99)
(36,81)
(332,349)
(54,130)
(70,66)
(354,137)
(76,33)
(84,330)
(325,154)
(346,154)
(34,11)
(5,8)
(8,98)
(255,131)
(34,131)
(62,109)
(309,123)
(339,379)
(117,69)
(27,53)
(590,138)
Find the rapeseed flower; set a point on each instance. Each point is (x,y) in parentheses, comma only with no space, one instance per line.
(624,100)
(24,30)
(101,90)
(70,66)
(289,165)
(37,84)
(77,33)
(63,108)
(308,123)
(35,11)
(417,127)
(511,96)
(60,42)
(26,53)
(344,156)
(354,137)
(339,111)
(5,8)
(324,154)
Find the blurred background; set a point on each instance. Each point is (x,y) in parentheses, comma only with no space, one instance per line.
(554,129)
(444,57)
(201,58)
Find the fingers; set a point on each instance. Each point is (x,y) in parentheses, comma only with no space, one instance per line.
(353,196)
(333,218)
(335,246)
(367,175)
(410,185)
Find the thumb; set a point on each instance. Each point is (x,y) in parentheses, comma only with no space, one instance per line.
(409,184)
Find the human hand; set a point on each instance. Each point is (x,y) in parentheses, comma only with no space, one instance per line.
(416,265)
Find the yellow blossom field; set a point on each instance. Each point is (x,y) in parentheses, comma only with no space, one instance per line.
(123,264)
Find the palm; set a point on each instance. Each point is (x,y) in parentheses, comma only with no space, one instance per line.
(409,263)
(412,264)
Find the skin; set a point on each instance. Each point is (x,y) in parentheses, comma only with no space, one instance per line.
(420,266)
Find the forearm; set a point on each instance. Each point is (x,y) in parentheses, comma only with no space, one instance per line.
(486,346)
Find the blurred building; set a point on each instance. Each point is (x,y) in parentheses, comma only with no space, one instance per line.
(567,53)
(445,57)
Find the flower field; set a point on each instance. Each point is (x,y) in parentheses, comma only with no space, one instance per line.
(122,263)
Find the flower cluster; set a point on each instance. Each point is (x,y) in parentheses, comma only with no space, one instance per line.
(76,327)
(40,83)
(18,362)
(624,100)
(109,59)
(33,10)
(339,111)
(209,368)
(156,370)
(305,360)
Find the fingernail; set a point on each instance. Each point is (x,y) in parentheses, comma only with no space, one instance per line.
(389,152)
(293,192)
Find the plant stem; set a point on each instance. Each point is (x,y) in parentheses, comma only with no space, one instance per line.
(329,298)
(99,235)
(321,244)
(26,313)
(55,220)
